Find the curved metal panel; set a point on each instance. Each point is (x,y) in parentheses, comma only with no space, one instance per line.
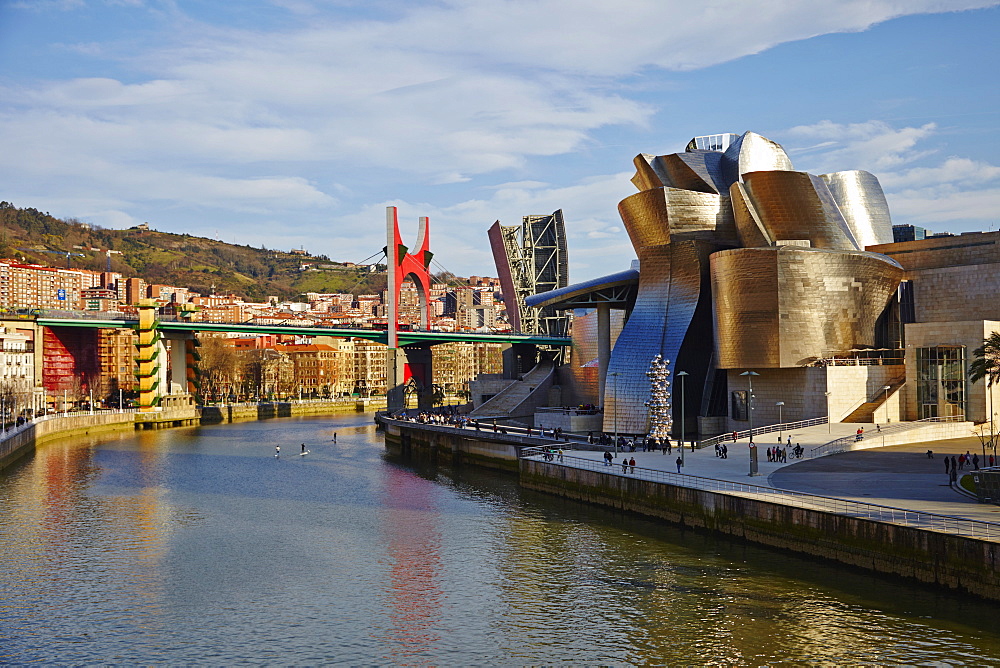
(788,306)
(647,174)
(748,226)
(654,217)
(700,172)
(670,286)
(862,203)
(753,153)
(797,205)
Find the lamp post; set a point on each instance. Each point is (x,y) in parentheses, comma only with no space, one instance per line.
(614,398)
(886,389)
(829,425)
(780,424)
(681,375)
(753,448)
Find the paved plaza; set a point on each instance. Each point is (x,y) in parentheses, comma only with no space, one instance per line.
(900,476)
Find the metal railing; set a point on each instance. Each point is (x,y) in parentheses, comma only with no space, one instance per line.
(17,429)
(766,429)
(858,509)
(847,443)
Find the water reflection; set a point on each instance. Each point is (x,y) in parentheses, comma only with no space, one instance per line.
(410,522)
(197,546)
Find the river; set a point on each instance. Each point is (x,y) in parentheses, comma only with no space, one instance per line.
(198,546)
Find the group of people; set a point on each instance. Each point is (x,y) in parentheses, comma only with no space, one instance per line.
(627,462)
(722,451)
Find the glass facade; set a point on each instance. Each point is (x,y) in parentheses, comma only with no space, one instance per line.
(941,381)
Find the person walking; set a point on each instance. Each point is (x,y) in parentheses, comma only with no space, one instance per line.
(560,454)
(975,462)
(631,464)
(624,465)
(679,464)
(954,463)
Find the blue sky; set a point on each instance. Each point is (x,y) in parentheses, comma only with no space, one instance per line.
(295,123)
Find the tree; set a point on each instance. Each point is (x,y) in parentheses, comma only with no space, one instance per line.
(987,365)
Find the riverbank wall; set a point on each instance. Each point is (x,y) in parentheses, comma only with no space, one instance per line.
(449,446)
(242,412)
(956,562)
(947,560)
(22,442)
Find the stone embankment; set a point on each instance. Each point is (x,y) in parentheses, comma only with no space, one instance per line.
(950,552)
(22,441)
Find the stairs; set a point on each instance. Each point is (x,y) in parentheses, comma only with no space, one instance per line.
(866,411)
(520,398)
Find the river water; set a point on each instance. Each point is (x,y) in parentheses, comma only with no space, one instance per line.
(198,546)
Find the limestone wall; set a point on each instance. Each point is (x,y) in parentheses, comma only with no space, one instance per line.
(953,561)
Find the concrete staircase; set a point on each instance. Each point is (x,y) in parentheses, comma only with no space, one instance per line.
(866,411)
(520,399)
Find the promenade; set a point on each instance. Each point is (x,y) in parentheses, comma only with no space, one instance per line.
(898,476)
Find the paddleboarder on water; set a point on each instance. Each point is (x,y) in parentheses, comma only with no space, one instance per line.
(277,451)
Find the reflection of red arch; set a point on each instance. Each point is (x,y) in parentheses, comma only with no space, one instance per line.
(403,265)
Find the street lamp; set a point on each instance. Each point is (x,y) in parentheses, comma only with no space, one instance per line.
(829,418)
(614,395)
(780,424)
(753,448)
(886,390)
(681,375)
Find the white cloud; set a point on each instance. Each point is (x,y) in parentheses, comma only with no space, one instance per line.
(939,195)
(873,145)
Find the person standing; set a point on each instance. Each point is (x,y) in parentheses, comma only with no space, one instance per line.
(947,467)
(679,464)
(624,465)
(631,463)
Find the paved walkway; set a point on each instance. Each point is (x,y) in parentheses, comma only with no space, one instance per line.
(899,476)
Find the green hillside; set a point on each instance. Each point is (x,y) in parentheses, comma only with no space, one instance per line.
(175,259)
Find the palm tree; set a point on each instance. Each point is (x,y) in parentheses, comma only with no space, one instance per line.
(987,365)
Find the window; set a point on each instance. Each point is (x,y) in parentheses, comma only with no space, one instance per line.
(941,382)
(740,405)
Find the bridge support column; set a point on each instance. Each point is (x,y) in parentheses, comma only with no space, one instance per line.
(149,357)
(603,347)
(410,366)
(180,355)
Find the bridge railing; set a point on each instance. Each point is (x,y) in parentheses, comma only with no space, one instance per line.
(878,513)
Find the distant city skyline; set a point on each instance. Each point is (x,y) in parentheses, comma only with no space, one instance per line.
(294,123)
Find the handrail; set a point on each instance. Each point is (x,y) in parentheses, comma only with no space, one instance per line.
(843,444)
(859,509)
(766,429)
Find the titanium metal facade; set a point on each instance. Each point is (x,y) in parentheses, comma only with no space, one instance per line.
(744,263)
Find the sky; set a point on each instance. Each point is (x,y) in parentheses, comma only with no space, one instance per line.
(295,123)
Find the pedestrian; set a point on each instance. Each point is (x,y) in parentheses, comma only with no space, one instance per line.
(679,464)
(789,440)
(961,462)
(631,463)
(947,466)
(725,451)
(560,454)
(734,437)
(954,464)
(954,476)
(975,462)
(930,454)
(624,465)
